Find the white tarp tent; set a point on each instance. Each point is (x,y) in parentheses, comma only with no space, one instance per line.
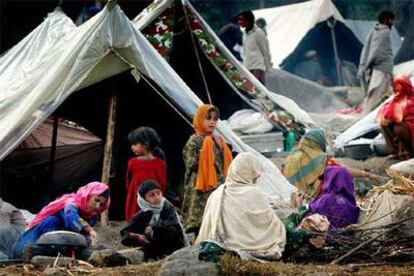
(362,29)
(293,30)
(58,58)
(288,25)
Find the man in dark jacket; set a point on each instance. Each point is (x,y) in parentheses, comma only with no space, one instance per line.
(232,36)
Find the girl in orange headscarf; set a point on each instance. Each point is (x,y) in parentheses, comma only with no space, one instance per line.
(207,158)
(397,119)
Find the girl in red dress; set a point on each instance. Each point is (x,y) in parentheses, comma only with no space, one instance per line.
(149,163)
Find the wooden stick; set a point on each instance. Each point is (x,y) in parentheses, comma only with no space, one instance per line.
(106,169)
(349,253)
(53,148)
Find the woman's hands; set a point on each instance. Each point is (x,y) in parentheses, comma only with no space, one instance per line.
(92,235)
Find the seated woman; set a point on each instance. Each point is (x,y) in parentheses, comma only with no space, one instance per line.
(156,227)
(238,217)
(76,212)
(397,119)
(337,198)
(305,166)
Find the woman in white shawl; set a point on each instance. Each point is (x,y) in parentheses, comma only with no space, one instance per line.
(238,217)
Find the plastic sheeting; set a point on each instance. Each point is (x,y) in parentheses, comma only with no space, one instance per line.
(288,25)
(249,121)
(58,58)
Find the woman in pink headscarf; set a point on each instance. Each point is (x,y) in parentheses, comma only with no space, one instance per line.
(397,119)
(76,212)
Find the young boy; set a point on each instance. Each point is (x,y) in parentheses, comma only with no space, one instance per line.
(156,227)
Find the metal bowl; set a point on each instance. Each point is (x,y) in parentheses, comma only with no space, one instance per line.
(62,238)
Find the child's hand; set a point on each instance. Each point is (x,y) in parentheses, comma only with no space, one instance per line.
(148,230)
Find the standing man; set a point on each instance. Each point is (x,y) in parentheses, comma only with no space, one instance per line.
(376,63)
(257,57)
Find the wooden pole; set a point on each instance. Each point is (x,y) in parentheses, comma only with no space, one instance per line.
(53,148)
(110,131)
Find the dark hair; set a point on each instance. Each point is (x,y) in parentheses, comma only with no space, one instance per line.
(384,15)
(248,15)
(261,22)
(235,19)
(214,109)
(148,185)
(105,193)
(148,137)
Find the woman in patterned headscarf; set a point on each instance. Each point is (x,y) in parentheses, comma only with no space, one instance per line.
(305,166)
(207,158)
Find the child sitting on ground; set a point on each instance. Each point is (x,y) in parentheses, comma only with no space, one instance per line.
(156,227)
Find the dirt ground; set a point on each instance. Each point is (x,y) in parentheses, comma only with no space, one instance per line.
(229,265)
(109,237)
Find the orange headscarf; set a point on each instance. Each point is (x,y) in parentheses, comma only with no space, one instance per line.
(401,106)
(207,175)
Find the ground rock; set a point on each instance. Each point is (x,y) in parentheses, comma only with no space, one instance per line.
(133,256)
(405,168)
(44,261)
(107,258)
(52,271)
(185,262)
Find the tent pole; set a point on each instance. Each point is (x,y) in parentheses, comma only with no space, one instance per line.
(53,148)
(331,24)
(110,131)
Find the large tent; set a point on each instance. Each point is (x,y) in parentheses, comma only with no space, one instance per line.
(186,41)
(77,72)
(317,25)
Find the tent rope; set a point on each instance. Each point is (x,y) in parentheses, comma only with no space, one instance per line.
(151,85)
(197,56)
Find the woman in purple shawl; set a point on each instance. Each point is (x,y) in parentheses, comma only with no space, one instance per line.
(336,200)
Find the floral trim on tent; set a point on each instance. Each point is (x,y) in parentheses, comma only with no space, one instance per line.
(160,32)
(274,112)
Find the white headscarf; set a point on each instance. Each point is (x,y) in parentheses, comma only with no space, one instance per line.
(156,209)
(238,217)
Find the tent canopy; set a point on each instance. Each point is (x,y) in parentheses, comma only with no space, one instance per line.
(295,29)
(65,69)
(179,33)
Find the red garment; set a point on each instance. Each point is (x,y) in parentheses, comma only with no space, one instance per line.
(138,171)
(401,107)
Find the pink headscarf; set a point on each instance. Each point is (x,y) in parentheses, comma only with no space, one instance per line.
(80,199)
